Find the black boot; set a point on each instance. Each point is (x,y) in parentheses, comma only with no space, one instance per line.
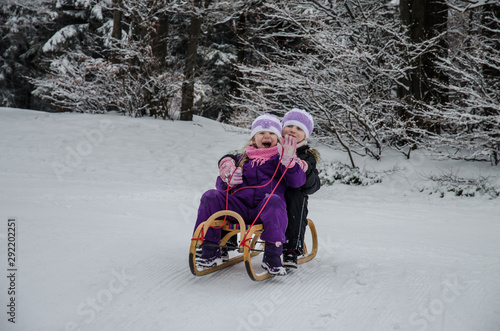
(210,255)
(290,259)
(272,259)
(231,245)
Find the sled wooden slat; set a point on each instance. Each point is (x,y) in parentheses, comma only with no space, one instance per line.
(213,221)
(254,233)
(251,235)
(309,256)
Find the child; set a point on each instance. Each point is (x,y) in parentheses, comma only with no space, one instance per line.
(299,124)
(247,175)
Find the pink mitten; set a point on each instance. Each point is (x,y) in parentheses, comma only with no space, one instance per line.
(236,177)
(303,164)
(226,168)
(287,153)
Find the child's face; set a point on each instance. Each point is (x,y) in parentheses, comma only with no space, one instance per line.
(295,132)
(265,139)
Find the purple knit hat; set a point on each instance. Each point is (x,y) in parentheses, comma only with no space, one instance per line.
(266,122)
(300,118)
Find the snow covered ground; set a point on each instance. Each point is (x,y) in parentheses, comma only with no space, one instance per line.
(104,208)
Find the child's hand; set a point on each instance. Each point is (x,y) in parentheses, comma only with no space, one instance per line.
(227,168)
(236,177)
(287,151)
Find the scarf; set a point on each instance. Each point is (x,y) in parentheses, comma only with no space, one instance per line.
(260,155)
(302,143)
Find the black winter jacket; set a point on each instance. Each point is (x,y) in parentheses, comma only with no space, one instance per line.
(312,176)
(297,201)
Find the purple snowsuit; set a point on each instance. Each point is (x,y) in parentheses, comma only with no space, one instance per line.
(249,201)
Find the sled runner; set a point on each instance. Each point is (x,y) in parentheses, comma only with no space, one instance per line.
(249,245)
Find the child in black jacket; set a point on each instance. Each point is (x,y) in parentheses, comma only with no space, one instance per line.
(299,124)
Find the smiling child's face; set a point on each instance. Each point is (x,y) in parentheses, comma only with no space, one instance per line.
(265,139)
(295,132)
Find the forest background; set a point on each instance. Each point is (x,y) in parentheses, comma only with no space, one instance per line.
(375,74)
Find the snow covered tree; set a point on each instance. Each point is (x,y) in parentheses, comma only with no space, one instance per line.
(403,74)
(370,80)
(470,121)
(462,119)
(197,13)
(90,71)
(426,22)
(341,61)
(24,27)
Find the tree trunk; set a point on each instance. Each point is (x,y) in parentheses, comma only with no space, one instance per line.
(412,15)
(403,89)
(190,63)
(160,42)
(490,21)
(435,24)
(417,16)
(411,12)
(117,27)
(240,47)
(117,20)
(425,20)
(491,72)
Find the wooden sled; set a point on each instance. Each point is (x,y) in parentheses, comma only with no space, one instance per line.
(253,247)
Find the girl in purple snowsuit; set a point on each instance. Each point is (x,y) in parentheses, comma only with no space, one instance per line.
(244,175)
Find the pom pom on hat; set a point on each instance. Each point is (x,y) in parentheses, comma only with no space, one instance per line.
(300,118)
(266,122)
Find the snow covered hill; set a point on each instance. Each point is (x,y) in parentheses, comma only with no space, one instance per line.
(104,207)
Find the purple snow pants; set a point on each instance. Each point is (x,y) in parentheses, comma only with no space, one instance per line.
(273,217)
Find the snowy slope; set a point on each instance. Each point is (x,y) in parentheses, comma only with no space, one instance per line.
(105,206)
